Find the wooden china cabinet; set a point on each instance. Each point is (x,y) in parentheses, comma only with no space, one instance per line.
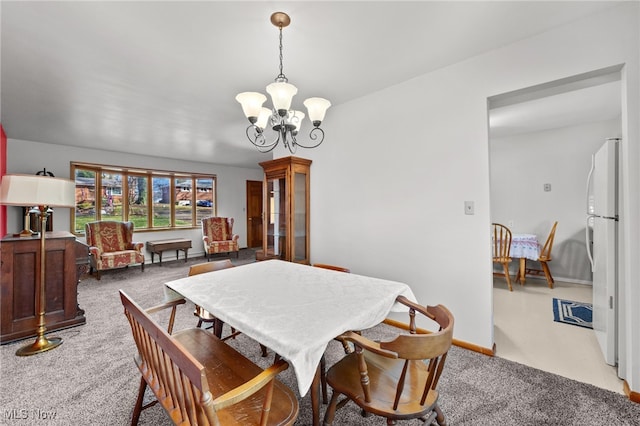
(285,222)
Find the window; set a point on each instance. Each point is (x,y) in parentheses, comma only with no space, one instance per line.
(151,199)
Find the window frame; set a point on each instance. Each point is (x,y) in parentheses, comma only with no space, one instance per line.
(149,174)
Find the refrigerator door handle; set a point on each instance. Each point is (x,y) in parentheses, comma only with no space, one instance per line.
(589,199)
(588,241)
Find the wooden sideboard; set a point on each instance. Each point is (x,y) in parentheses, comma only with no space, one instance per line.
(66,259)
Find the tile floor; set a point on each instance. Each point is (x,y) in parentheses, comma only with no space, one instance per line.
(524,332)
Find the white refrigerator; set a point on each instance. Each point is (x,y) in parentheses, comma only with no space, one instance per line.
(602,245)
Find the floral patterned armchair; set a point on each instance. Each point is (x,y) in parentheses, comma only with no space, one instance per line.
(218,236)
(111,246)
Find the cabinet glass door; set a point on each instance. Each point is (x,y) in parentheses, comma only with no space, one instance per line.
(300,217)
(276,219)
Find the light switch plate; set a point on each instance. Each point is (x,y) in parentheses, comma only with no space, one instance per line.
(468,207)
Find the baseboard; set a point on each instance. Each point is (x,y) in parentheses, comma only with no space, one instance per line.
(632,395)
(561,279)
(475,348)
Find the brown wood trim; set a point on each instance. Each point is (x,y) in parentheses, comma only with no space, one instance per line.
(475,348)
(632,395)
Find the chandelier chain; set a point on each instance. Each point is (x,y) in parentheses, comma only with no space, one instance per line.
(281,76)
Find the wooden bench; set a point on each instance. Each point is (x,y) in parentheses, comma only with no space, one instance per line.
(177,244)
(199,379)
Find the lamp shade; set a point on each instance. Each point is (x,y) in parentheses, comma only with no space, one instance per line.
(295,118)
(263,118)
(317,108)
(281,95)
(36,190)
(251,103)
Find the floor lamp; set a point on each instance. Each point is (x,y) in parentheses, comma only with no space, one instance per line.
(43,192)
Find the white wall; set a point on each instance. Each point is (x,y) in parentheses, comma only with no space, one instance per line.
(390,181)
(520,165)
(30,157)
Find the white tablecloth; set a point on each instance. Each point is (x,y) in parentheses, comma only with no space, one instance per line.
(525,246)
(295,310)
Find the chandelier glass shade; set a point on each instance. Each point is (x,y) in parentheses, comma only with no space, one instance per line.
(281,119)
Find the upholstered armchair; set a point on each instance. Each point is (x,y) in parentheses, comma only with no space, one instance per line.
(111,246)
(218,236)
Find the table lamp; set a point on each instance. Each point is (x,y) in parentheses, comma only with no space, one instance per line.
(43,192)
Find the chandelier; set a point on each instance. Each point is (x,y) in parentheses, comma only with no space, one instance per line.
(284,121)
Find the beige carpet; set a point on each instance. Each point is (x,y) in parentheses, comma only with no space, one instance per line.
(91,378)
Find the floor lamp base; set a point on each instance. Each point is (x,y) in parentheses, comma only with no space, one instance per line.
(42,344)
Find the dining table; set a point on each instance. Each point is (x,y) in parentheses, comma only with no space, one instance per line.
(524,246)
(294,309)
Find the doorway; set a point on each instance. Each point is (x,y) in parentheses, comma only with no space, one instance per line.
(541,140)
(254,214)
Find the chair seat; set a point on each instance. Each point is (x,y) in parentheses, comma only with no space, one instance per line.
(502,259)
(383,374)
(226,369)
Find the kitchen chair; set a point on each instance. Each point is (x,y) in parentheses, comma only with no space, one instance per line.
(395,379)
(198,379)
(501,243)
(203,315)
(545,256)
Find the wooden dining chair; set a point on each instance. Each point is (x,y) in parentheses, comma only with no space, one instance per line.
(396,379)
(205,316)
(200,380)
(544,258)
(331,267)
(345,344)
(501,244)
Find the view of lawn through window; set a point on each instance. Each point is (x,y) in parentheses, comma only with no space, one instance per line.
(151,199)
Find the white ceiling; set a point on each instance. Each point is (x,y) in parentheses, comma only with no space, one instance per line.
(161,77)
